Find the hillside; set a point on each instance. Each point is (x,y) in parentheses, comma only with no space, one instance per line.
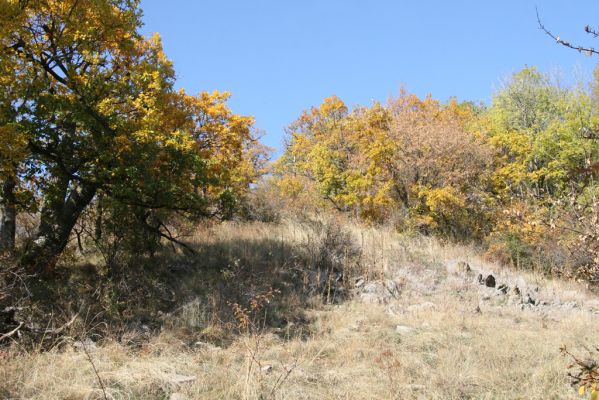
(405,318)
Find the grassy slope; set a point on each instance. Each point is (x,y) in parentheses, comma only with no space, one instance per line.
(346,350)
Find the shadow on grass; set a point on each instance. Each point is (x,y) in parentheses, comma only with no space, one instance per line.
(194,295)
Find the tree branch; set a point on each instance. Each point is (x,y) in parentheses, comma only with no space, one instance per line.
(581,49)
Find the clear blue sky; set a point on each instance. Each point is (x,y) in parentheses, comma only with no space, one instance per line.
(279,57)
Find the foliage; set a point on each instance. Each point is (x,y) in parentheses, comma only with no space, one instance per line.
(88,106)
(520,174)
(410,154)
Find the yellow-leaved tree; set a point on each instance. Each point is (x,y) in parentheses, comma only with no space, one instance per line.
(414,158)
(89,110)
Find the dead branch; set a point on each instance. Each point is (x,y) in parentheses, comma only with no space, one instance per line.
(9,334)
(581,49)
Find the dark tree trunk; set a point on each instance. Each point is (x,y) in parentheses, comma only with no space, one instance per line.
(8,215)
(99,218)
(58,217)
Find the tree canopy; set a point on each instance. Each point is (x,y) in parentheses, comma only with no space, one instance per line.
(88,106)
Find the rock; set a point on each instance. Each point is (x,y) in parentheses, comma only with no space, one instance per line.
(206,346)
(394,309)
(359,282)
(480,279)
(178,396)
(516,291)
(463,267)
(267,369)
(503,288)
(182,379)
(380,292)
(421,307)
(490,281)
(86,344)
(478,310)
(529,300)
(404,330)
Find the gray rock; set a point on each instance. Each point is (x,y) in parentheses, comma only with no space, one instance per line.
(86,345)
(379,292)
(490,281)
(529,300)
(359,282)
(463,267)
(404,330)
(206,346)
(266,369)
(182,379)
(421,307)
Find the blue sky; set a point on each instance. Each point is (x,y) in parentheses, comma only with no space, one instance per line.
(280,57)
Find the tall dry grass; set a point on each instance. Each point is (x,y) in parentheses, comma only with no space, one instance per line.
(308,344)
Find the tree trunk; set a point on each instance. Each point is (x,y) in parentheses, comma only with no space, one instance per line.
(58,217)
(8,215)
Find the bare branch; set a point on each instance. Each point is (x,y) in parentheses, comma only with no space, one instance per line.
(581,49)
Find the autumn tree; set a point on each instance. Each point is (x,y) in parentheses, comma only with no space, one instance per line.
(412,156)
(542,136)
(92,110)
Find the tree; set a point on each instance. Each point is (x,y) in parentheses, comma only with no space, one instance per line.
(410,155)
(95,103)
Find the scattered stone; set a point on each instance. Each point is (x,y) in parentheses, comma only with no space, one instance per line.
(516,291)
(486,298)
(529,300)
(380,292)
(207,346)
(503,288)
(421,307)
(415,387)
(404,330)
(394,309)
(359,282)
(267,369)
(478,310)
(182,379)
(490,281)
(480,279)
(86,345)
(178,396)
(463,267)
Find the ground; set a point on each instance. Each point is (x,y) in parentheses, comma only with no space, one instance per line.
(412,321)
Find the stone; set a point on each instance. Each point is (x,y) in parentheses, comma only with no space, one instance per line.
(404,330)
(421,307)
(266,369)
(463,267)
(490,281)
(86,345)
(379,292)
(178,379)
(359,282)
(503,288)
(206,346)
(178,396)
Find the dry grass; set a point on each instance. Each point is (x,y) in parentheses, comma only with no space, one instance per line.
(347,350)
